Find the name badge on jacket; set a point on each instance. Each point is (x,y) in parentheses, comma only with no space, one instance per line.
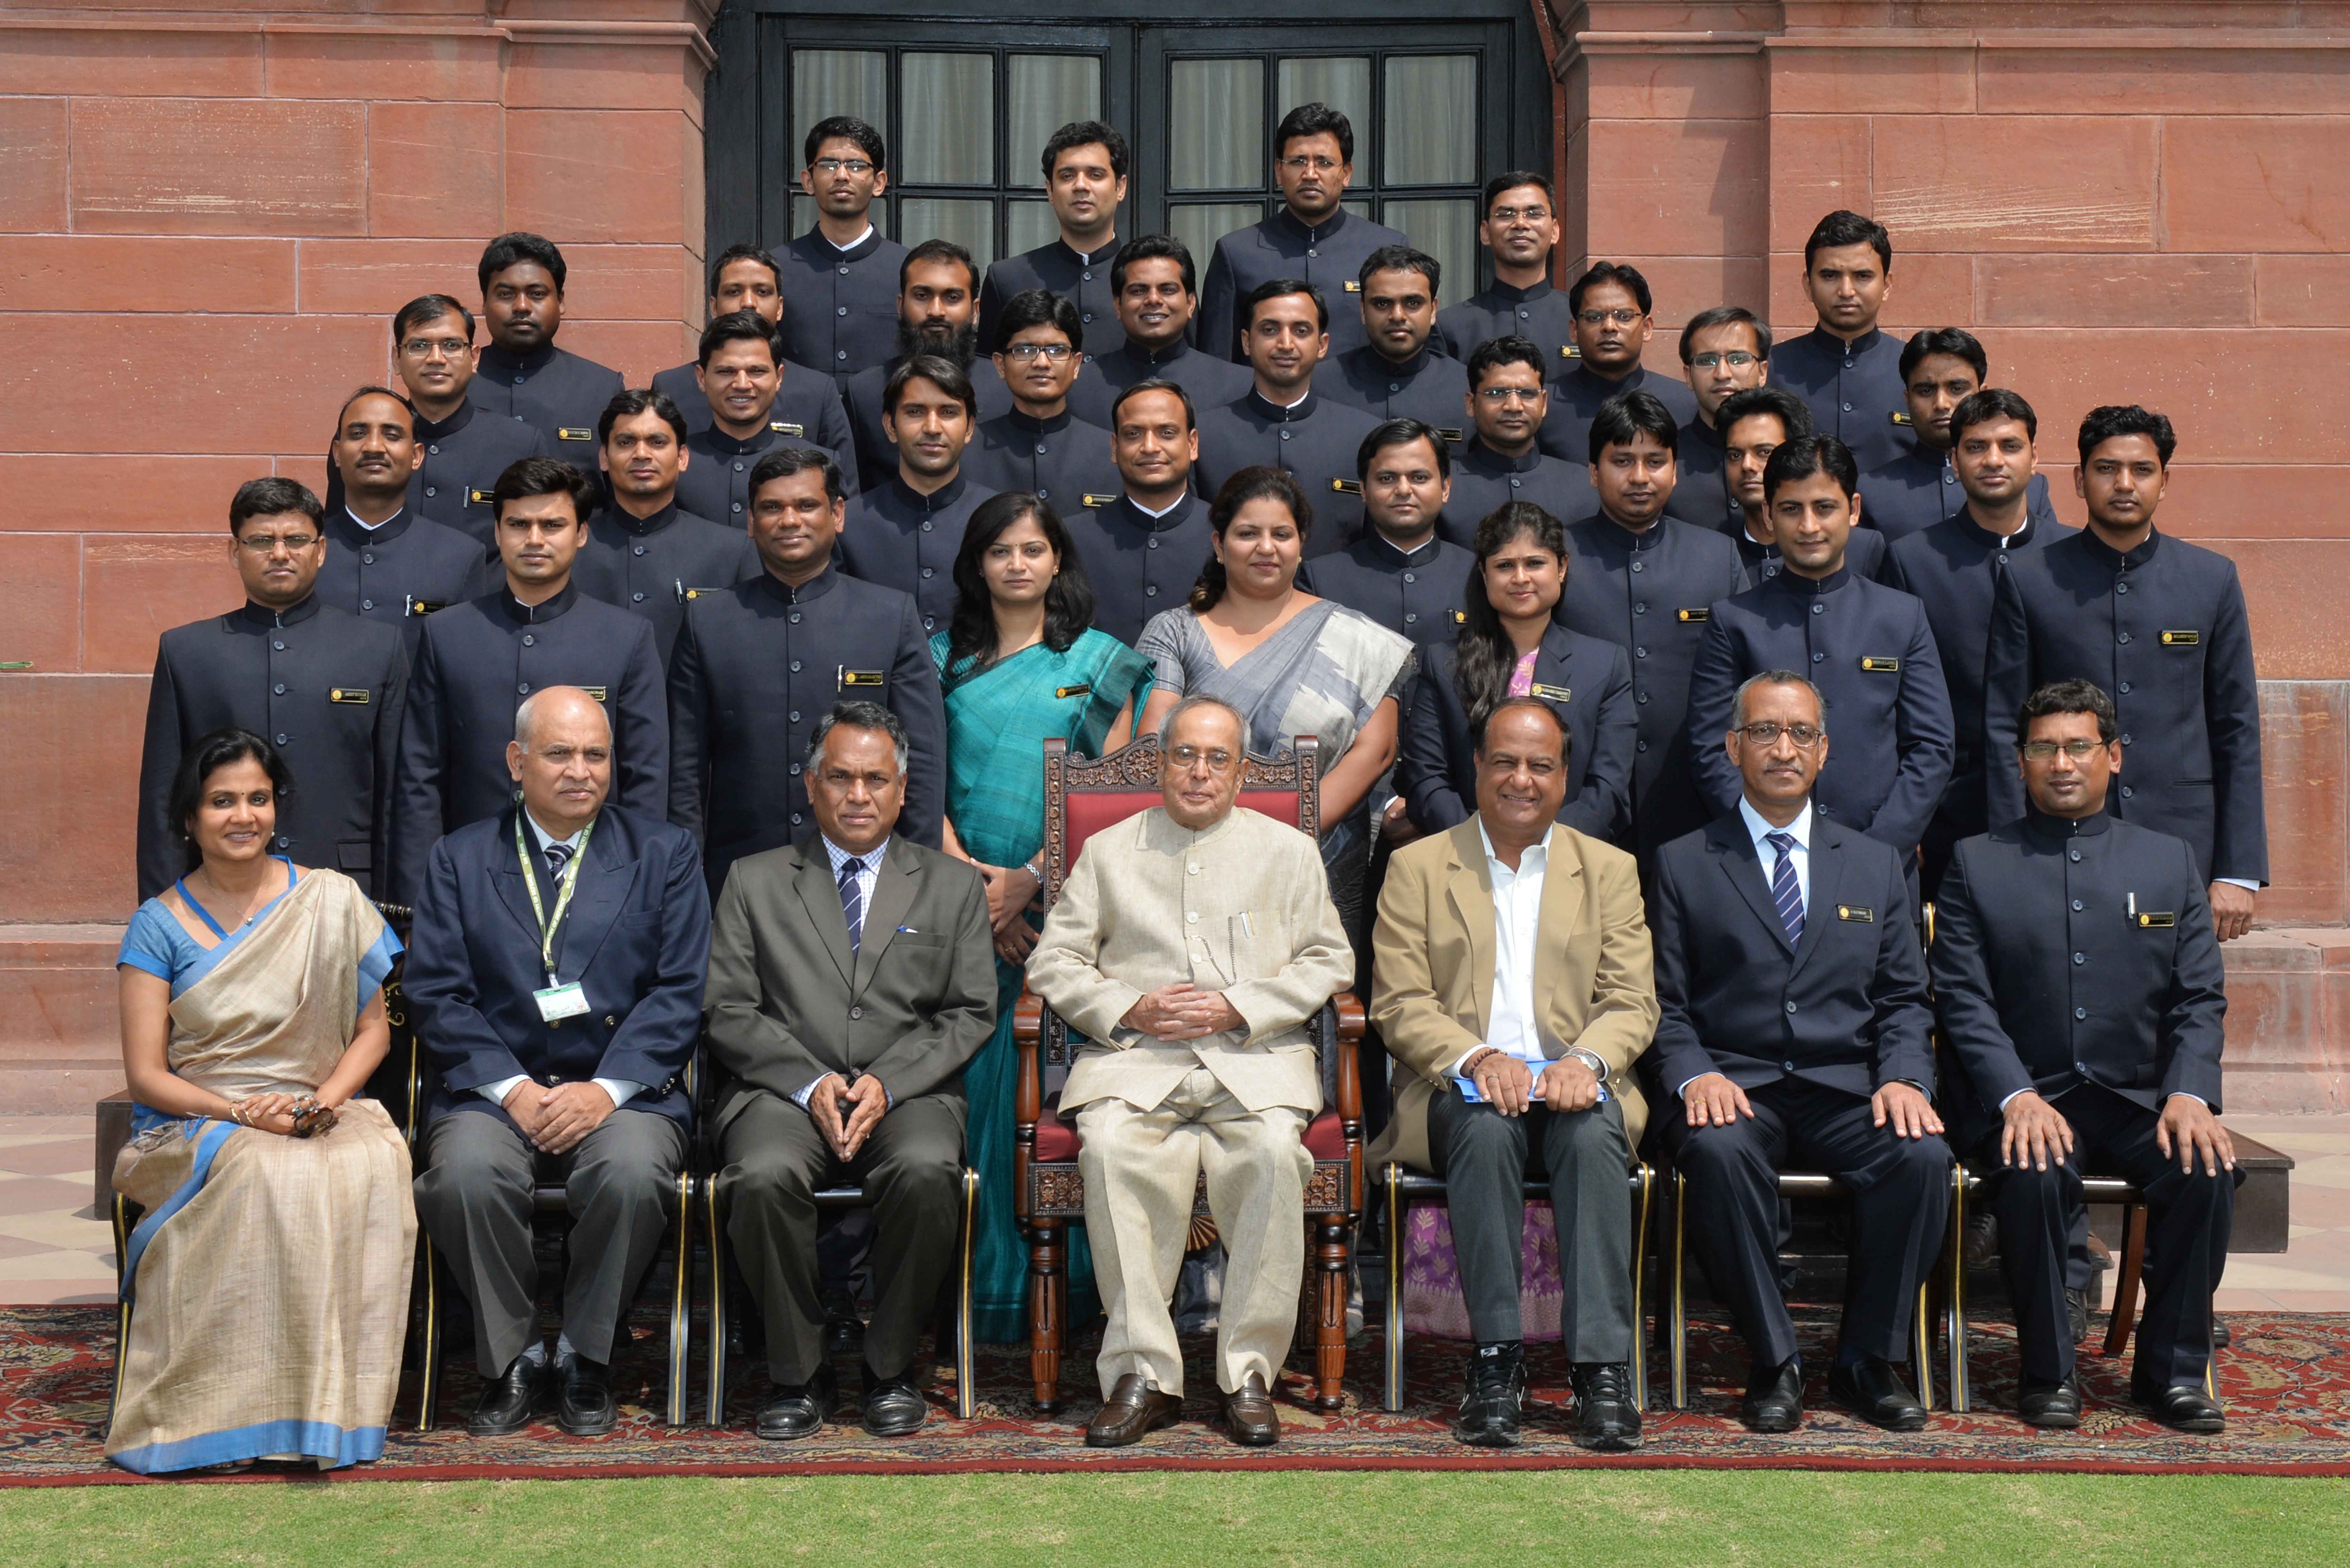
(1694,616)
(574,432)
(480,497)
(861,678)
(785,427)
(1059,691)
(1093,498)
(347,694)
(1860,914)
(1881,664)
(1552,693)
(2181,639)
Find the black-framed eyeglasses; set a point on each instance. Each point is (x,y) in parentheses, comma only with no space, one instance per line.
(1497,396)
(1737,359)
(1764,733)
(1056,352)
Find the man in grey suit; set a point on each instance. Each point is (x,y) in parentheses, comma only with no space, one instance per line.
(851,979)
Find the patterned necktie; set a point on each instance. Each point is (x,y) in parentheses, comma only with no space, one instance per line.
(558,855)
(852,899)
(1784,891)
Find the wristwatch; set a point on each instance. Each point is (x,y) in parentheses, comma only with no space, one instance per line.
(1590,1059)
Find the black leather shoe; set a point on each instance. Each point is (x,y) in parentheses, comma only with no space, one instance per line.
(2218,1332)
(2182,1407)
(1493,1397)
(2076,1312)
(1775,1397)
(1605,1419)
(894,1407)
(2045,1403)
(1250,1419)
(1873,1391)
(799,1409)
(586,1408)
(1133,1410)
(510,1399)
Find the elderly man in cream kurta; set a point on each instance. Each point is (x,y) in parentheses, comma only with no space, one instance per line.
(1191,944)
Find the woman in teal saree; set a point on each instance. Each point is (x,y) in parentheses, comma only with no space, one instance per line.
(1020,664)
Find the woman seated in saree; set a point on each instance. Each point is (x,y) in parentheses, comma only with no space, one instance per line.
(1020,663)
(268,1273)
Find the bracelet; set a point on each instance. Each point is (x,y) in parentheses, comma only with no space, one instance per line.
(1477,1059)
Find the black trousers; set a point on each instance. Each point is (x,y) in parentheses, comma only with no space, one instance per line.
(474,1195)
(1485,1158)
(1900,1190)
(911,1169)
(2189,1218)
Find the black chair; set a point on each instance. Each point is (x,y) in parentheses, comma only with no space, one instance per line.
(1406,1187)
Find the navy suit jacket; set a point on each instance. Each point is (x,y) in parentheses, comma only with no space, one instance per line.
(1845,1009)
(2073,951)
(637,939)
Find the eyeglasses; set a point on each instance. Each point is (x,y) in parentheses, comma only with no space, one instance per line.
(1511,214)
(1499,395)
(1056,352)
(1602,317)
(1188,757)
(841,165)
(2045,751)
(1737,359)
(270,544)
(1764,732)
(425,347)
(1300,164)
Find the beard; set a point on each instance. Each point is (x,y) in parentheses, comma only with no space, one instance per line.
(959,344)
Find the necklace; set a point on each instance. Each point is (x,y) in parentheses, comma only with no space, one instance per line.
(246,911)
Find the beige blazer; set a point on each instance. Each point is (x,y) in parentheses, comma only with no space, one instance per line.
(1432,970)
(1241,908)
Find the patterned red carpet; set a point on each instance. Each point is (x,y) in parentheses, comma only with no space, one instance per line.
(2286,1383)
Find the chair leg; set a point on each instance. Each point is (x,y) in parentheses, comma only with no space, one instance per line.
(681,1305)
(1336,1245)
(714,1228)
(427,1375)
(2124,1314)
(1677,1345)
(1048,1305)
(122,1305)
(1955,1292)
(966,1354)
(1921,1344)
(1647,1178)
(1398,1222)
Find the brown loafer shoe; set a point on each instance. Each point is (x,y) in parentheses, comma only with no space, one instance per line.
(1133,1409)
(1249,1417)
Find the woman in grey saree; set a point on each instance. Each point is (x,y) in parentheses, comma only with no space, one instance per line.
(1292,663)
(269,1272)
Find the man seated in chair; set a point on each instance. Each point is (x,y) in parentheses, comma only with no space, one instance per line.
(555,975)
(1192,945)
(1794,1029)
(2079,984)
(1515,992)
(851,977)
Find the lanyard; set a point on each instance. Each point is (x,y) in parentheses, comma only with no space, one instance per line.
(546,928)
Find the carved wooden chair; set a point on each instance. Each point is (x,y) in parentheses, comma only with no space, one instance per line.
(1082,798)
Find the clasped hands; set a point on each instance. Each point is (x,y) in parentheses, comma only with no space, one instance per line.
(1182,1011)
(1510,1086)
(845,1113)
(556,1119)
(275,1113)
(1011,891)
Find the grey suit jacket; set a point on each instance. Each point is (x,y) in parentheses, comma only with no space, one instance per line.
(789,1002)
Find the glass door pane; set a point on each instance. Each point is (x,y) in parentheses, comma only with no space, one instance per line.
(1216,130)
(948,104)
(1344,84)
(1027,224)
(1199,225)
(1043,93)
(1429,131)
(970,224)
(1446,230)
(828,82)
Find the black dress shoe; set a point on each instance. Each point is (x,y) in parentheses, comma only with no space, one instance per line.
(2045,1403)
(1133,1410)
(586,1408)
(894,1407)
(1775,1397)
(2218,1332)
(2076,1312)
(510,1399)
(799,1409)
(2182,1407)
(1494,1398)
(1250,1419)
(1606,1421)
(1873,1391)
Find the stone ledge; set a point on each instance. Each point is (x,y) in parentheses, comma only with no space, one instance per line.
(2289,1019)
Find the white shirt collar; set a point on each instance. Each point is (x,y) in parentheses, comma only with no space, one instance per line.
(546,838)
(363,523)
(844,250)
(1532,860)
(840,858)
(1160,512)
(1758,827)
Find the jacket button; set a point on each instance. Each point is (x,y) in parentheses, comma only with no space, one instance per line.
(640,549)
(856,1012)
(2126,740)
(1790,1007)
(795,666)
(2126,791)
(364,604)
(843,311)
(2074,854)
(2125,687)
(636,598)
(1819,609)
(281,647)
(2080,958)
(1643,746)
(279,690)
(282,741)
(2080,1012)
(610,1022)
(2076,906)
(795,718)
(1786,1066)
(530,640)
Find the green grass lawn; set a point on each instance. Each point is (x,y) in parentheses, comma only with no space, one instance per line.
(1634,1518)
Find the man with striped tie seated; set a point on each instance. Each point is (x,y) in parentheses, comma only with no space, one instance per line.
(1793,1031)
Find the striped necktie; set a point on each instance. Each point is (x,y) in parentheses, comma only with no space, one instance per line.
(852,899)
(1785,891)
(558,855)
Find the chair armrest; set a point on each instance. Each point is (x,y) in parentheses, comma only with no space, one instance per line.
(1349,1009)
(1350,1013)
(1028,1083)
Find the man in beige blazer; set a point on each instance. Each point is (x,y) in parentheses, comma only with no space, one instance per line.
(1515,992)
(1192,945)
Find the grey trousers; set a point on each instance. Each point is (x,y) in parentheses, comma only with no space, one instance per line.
(1485,1158)
(911,1169)
(475,1198)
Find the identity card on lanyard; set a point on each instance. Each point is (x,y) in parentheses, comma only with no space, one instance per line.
(556,1002)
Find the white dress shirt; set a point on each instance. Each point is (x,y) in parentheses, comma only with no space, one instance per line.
(1159,511)
(1512,1024)
(620,1089)
(851,245)
(865,881)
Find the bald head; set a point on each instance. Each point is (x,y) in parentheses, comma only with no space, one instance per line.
(561,757)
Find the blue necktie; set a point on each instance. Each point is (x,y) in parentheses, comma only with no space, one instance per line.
(852,901)
(1784,891)
(558,855)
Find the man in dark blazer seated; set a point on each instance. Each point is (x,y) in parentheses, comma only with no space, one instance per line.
(851,977)
(1794,1030)
(2079,984)
(556,972)
(479,659)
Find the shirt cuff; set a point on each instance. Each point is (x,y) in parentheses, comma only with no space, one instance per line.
(496,1092)
(801,1098)
(2004,1104)
(620,1089)
(1462,1060)
(2248,885)
(2183,1094)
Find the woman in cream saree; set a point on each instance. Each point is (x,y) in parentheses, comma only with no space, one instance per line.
(268,1273)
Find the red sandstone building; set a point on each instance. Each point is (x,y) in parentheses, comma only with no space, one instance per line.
(207,215)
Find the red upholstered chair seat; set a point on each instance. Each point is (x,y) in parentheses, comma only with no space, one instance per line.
(1056,1140)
